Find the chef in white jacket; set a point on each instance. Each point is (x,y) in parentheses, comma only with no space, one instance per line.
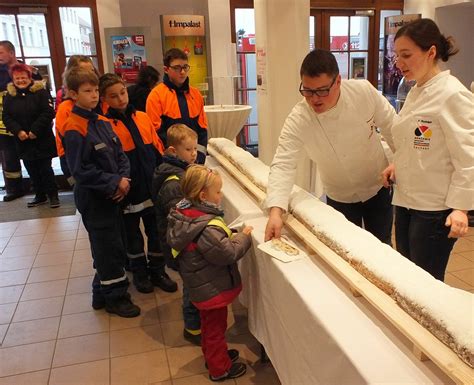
(434,158)
(335,124)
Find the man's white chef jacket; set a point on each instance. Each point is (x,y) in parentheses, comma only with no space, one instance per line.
(342,141)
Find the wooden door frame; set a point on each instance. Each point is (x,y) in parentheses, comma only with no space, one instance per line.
(53,25)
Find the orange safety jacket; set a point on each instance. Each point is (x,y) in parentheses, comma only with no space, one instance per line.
(62,114)
(143,149)
(167,105)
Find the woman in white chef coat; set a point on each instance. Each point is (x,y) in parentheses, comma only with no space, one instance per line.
(433,166)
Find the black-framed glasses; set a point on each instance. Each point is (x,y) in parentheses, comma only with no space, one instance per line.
(307,93)
(179,68)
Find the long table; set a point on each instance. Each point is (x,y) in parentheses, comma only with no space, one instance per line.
(313,329)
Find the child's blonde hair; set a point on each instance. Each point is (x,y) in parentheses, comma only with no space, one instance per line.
(197,179)
(177,133)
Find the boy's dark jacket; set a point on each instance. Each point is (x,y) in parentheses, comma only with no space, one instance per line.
(166,193)
(143,149)
(30,110)
(207,258)
(94,155)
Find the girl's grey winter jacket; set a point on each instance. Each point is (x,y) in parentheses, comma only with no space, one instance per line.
(207,255)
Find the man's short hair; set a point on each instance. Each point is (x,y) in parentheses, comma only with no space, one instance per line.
(76,77)
(8,45)
(173,54)
(178,133)
(319,62)
(108,80)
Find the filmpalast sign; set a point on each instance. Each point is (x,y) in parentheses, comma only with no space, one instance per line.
(183,25)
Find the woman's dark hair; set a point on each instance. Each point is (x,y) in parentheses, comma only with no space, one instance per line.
(425,34)
(319,62)
(148,76)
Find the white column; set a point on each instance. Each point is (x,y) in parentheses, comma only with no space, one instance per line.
(282,42)
(223,52)
(108,13)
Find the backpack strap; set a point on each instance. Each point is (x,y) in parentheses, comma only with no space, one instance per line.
(217,222)
(172,177)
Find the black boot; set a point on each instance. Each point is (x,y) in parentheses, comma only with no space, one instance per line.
(122,306)
(195,339)
(37,201)
(142,283)
(237,369)
(158,276)
(138,267)
(163,281)
(11,197)
(54,200)
(98,300)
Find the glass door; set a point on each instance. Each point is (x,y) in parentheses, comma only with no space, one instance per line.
(29,35)
(349,42)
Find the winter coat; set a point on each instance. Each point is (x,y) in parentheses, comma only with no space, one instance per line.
(168,104)
(208,252)
(94,155)
(143,149)
(166,192)
(137,95)
(30,110)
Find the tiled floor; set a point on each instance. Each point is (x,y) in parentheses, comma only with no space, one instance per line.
(49,333)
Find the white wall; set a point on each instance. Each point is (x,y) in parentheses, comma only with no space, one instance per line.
(458,21)
(427,7)
(223,52)
(109,16)
(454,18)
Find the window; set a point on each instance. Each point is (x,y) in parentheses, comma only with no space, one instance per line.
(78,36)
(23,35)
(14,39)
(349,42)
(32,41)
(5,31)
(41,37)
(246,90)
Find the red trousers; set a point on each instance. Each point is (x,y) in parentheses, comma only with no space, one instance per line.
(213,343)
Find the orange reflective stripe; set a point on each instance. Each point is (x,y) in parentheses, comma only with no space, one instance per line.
(124,135)
(163,102)
(147,131)
(64,111)
(76,123)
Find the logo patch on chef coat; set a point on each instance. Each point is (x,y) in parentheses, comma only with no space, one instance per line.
(423,133)
(372,126)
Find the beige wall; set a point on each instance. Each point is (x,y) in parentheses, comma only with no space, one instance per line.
(109,16)
(454,18)
(458,21)
(427,7)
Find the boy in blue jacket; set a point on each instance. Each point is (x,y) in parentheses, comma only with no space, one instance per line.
(101,170)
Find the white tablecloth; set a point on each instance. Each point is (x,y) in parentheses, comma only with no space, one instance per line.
(314,331)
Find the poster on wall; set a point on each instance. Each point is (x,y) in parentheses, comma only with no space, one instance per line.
(188,33)
(391,74)
(129,56)
(261,70)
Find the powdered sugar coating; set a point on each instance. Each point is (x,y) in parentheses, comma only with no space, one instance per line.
(451,308)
